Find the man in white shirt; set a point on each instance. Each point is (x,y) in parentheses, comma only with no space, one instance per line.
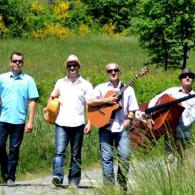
(115,133)
(72,91)
(184,125)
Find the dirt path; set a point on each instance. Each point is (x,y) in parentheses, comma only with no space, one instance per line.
(89,181)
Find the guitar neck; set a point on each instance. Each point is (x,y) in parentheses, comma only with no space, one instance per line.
(121,91)
(168,104)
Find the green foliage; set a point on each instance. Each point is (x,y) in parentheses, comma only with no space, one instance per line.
(115,12)
(14,14)
(78,14)
(167,30)
(37,22)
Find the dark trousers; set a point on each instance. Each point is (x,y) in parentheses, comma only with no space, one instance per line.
(8,162)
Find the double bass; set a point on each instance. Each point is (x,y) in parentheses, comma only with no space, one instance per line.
(165,114)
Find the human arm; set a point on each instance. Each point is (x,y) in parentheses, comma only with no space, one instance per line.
(147,117)
(88,127)
(101,101)
(155,99)
(31,109)
(129,119)
(130,106)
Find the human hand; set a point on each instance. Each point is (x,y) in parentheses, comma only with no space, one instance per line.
(112,99)
(127,123)
(45,113)
(148,121)
(28,127)
(87,129)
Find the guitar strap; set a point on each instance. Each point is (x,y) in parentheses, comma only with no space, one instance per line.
(122,85)
(120,97)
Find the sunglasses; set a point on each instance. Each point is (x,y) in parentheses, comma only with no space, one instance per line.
(191,76)
(72,65)
(19,61)
(112,70)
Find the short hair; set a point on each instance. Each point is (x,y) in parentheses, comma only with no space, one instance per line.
(111,63)
(16,53)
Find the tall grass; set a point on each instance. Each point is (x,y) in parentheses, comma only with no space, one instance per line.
(44,60)
(158,177)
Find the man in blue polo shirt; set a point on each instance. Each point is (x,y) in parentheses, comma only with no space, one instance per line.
(18,95)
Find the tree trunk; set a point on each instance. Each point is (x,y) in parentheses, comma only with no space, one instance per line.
(166,54)
(185,55)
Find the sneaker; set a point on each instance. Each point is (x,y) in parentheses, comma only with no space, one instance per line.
(10,183)
(170,158)
(73,185)
(56,181)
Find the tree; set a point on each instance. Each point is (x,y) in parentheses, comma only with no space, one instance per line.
(185,26)
(14,14)
(167,30)
(117,12)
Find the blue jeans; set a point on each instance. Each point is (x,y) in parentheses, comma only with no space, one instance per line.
(122,144)
(9,162)
(64,135)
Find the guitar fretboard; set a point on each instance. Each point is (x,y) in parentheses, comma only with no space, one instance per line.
(121,91)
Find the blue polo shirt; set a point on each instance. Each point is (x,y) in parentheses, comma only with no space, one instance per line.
(15,92)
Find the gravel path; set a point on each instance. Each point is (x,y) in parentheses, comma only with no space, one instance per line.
(89,181)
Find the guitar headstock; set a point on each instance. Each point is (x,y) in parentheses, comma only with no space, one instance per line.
(143,71)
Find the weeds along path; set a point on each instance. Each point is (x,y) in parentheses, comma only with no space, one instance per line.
(91,181)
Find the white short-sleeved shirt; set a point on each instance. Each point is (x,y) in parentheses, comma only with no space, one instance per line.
(184,126)
(72,101)
(128,103)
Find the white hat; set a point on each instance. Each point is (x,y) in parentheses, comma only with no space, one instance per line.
(73,58)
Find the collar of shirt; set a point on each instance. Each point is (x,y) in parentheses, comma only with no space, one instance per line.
(182,91)
(20,76)
(79,80)
(111,85)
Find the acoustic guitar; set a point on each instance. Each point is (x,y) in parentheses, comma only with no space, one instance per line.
(51,111)
(100,116)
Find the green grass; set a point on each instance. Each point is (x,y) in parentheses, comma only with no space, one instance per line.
(44,60)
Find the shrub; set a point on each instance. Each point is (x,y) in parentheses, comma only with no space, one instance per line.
(3,30)
(14,13)
(58,31)
(61,10)
(118,12)
(84,29)
(109,29)
(37,8)
(39,34)
(78,15)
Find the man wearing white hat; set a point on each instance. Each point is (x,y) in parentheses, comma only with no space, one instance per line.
(72,91)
